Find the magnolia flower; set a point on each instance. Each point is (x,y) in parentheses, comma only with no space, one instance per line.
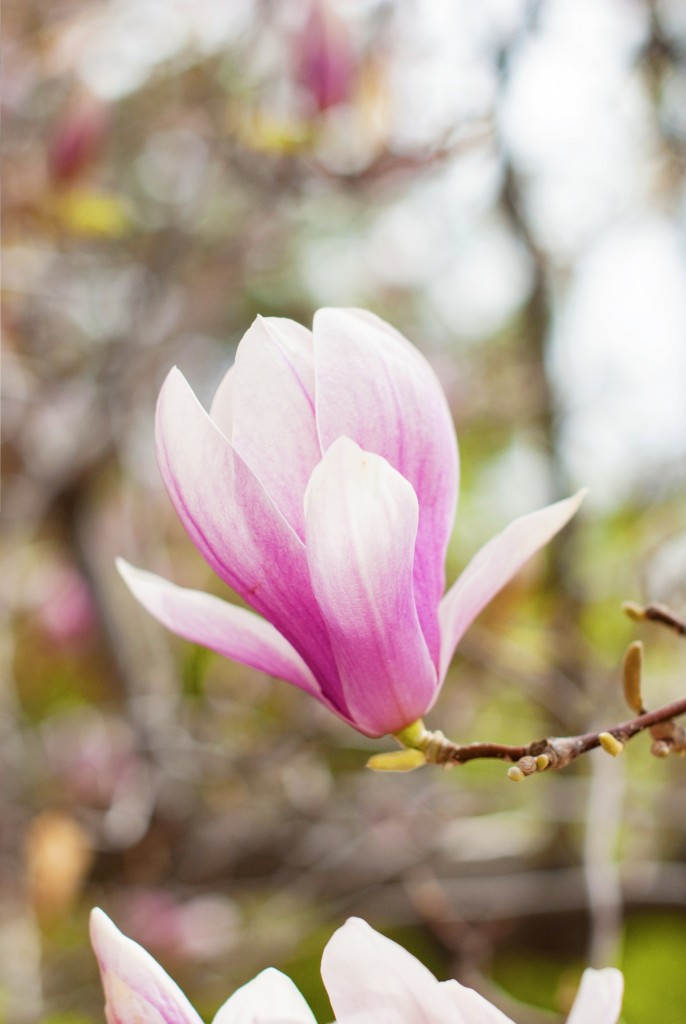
(139,991)
(369,978)
(321,487)
(372,980)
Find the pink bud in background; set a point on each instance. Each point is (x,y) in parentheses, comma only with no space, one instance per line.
(321,487)
(200,928)
(66,612)
(77,138)
(325,61)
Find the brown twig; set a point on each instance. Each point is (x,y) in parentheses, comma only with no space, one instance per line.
(422,746)
(655,613)
(559,750)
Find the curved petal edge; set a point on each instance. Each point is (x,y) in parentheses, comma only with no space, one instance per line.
(365,972)
(136,987)
(225,628)
(494,566)
(599,999)
(270,998)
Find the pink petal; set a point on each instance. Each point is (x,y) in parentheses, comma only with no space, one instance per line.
(274,429)
(599,999)
(376,388)
(137,990)
(237,528)
(367,974)
(361,522)
(221,409)
(270,998)
(494,566)
(234,632)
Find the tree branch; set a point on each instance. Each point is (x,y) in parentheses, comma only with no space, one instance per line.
(655,613)
(422,746)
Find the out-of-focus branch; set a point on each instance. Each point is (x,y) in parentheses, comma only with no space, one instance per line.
(602,879)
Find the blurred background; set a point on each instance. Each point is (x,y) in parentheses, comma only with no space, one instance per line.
(504,182)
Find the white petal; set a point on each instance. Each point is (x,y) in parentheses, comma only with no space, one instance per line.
(475,1009)
(366,973)
(270,998)
(599,999)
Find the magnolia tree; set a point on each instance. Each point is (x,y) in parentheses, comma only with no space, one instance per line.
(321,487)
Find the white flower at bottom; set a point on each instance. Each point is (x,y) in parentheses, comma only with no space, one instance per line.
(369,978)
(139,991)
(372,980)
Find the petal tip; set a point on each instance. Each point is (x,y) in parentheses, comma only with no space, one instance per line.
(97,918)
(104,934)
(174,379)
(571,505)
(122,566)
(131,576)
(174,375)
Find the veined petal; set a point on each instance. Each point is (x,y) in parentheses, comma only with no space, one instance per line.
(270,998)
(234,632)
(599,999)
(273,422)
(365,973)
(237,528)
(361,524)
(373,386)
(137,989)
(494,566)
(221,409)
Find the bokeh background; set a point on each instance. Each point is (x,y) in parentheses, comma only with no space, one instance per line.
(502,180)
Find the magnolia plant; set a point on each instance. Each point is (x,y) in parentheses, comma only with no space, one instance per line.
(321,486)
(369,979)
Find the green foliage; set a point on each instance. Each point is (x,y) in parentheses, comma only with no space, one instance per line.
(531,979)
(654,964)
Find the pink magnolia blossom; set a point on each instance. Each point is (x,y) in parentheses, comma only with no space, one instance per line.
(369,978)
(321,487)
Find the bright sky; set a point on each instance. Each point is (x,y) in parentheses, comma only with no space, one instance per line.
(577,121)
